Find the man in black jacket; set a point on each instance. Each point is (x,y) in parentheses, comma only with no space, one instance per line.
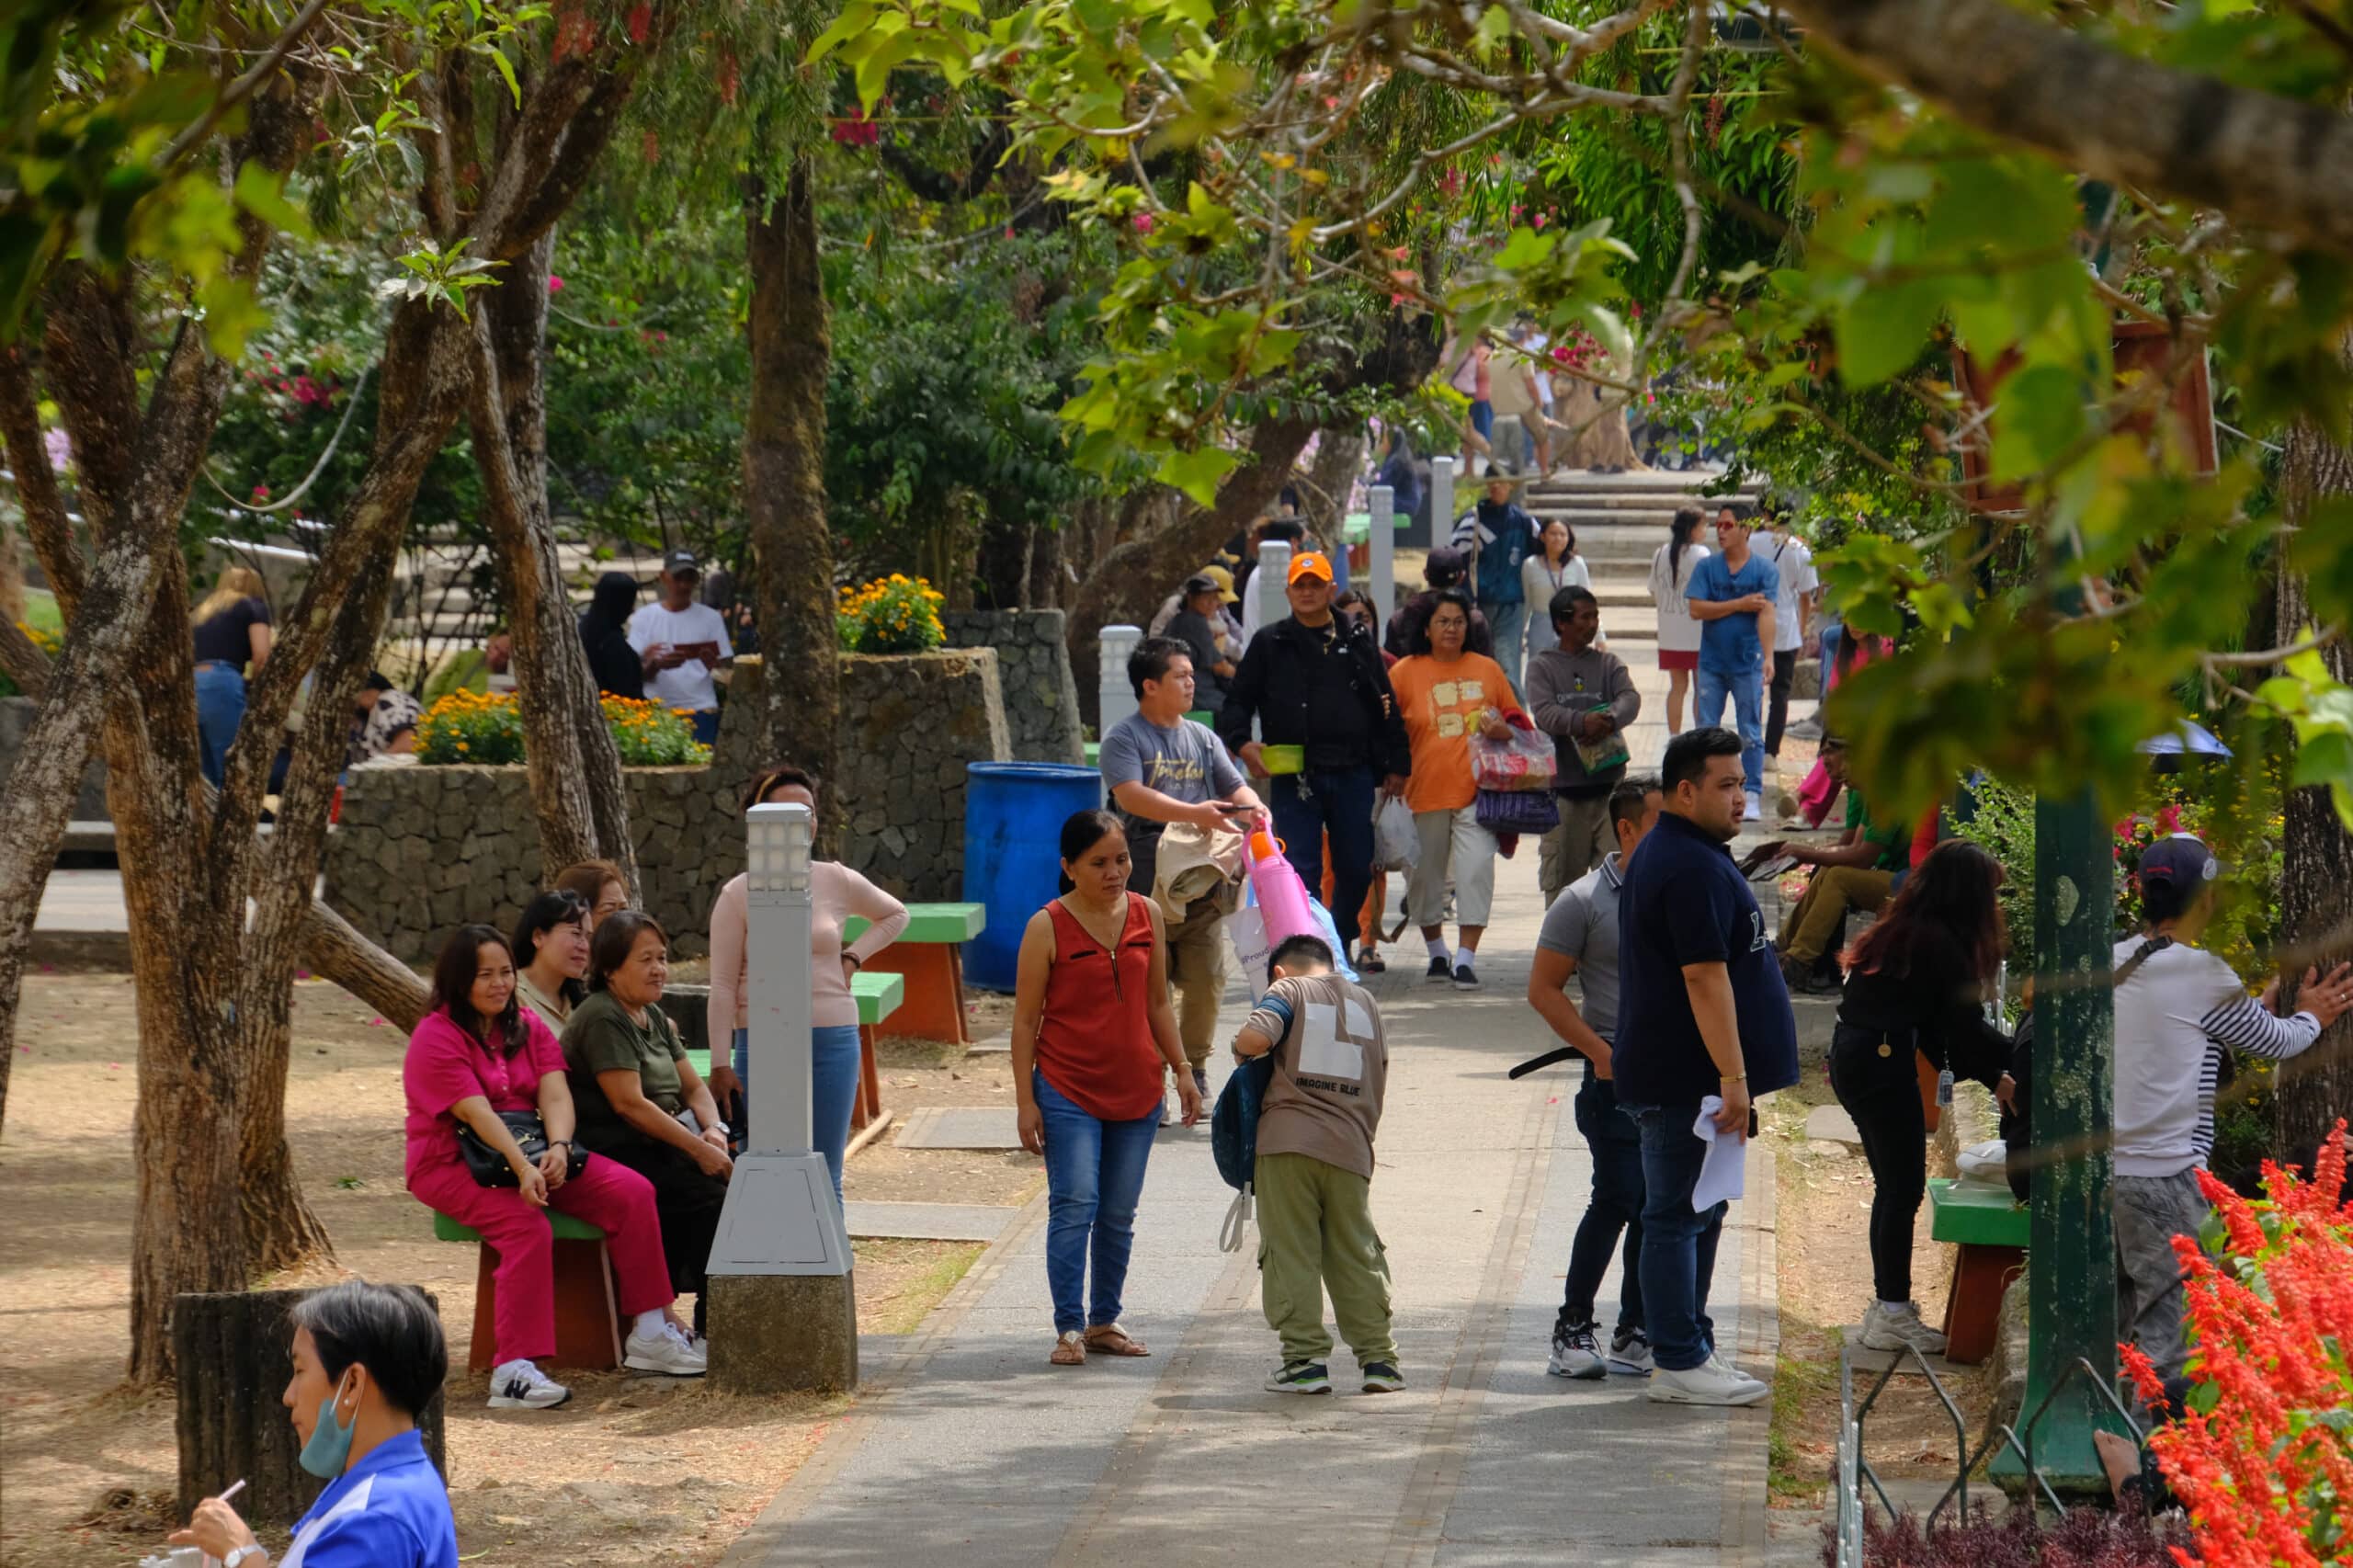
(1316,681)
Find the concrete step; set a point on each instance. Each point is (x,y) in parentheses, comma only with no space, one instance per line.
(1639,480)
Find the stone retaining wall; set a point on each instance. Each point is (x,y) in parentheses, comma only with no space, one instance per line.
(422,850)
(16,719)
(1033,666)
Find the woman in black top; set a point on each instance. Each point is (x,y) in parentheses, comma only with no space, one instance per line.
(1916,986)
(232,636)
(604,632)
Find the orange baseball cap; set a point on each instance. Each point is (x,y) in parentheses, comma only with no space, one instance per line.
(1309,564)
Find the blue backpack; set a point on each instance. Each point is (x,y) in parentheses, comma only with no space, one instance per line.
(1234,1140)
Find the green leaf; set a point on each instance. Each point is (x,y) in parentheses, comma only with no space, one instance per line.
(1883,330)
(263,194)
(1197,472)
(506,68)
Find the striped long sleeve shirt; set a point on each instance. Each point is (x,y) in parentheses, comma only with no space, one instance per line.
(2177,1011)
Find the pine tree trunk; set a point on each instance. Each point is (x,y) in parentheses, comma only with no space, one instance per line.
(577,792)
(784,483)
(2316,873)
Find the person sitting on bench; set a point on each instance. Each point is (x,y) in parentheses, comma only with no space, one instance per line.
(1859,871)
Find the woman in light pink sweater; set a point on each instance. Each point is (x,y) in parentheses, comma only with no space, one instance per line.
(838,893)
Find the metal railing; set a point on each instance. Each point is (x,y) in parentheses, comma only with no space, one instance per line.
(1853,1469)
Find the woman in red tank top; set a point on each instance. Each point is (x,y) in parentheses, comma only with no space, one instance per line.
(1092,1034)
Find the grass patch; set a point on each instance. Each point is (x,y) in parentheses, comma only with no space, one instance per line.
(40,611)
(1798,1382)
(913,1278)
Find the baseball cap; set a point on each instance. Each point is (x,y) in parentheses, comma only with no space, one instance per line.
(1223,579)
(2182,859)
(1309,563)
(1446,566)
(1198,583)
(679,561)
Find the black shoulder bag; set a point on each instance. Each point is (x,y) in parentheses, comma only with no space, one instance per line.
(489,1167)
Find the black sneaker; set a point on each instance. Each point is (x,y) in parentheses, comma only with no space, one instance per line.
(1300,1377)
(1382,1376)
(1465,978)
(1439,972)
(1576,1352)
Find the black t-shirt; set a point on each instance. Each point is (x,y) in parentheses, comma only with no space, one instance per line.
(1685,903)
(227,638)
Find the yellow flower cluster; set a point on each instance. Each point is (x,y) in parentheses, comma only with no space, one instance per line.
(472,726)
(897,614)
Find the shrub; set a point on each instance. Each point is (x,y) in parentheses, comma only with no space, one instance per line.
(890,615)
(2263,1458)
(650,735)
(47,641)
(2084,1537)
(471,726)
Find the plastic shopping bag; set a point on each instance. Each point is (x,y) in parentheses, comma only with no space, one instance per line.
(1526,761)
(1246,929)
(1395,845)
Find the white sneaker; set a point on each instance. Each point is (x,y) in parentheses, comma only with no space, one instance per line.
(1630,1353)
(1894,1328)
(669,1349)
(521,1385)
(1577,1354)
(1755,810)
(1711,1382)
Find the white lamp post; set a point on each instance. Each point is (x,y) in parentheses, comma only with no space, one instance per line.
(1271,582)
(1380,536)
(1115,696)
(781,1309)
(1441,501)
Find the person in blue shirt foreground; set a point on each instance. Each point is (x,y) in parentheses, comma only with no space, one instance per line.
(1702,1011)
(367,1360)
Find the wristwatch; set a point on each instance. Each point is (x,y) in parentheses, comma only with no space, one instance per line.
(251,1549)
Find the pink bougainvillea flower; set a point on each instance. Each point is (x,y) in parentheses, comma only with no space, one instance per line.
(555,284)
(1143,223)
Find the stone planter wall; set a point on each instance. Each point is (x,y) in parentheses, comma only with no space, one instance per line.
(16,719)
(422,851)
(1033,666)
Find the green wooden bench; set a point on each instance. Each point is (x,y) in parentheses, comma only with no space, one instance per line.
(1991,1231)
(587,1310)
(931,955)
(878,996)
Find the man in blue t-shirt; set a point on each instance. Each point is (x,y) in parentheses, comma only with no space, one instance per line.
(1732,596)
(1702,1011)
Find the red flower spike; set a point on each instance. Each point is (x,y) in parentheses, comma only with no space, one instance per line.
(641,19)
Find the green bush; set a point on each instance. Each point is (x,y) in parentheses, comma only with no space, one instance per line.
(650,735)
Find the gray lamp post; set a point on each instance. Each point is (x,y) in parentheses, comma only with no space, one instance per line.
(783,1311)
(1380,540)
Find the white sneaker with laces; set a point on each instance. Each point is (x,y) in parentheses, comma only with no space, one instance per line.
(1710,1382)
(1577,1354)
(669,1349)
(1630,1353)
(1755,810)
(1887,1327)
(521,1385)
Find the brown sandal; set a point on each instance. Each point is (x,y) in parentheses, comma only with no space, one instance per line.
(1070,1350)
(1112,1340)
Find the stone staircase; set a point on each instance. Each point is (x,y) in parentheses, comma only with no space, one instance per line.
(433,600)
(1619,520)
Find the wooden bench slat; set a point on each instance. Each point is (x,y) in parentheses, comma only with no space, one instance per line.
(1976,1214)
(941,923)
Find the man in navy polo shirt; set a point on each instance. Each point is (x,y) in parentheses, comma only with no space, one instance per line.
(1702,1011)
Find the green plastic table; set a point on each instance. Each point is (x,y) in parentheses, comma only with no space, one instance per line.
(929,954)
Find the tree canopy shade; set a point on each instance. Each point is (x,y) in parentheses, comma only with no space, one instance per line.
(1936,268)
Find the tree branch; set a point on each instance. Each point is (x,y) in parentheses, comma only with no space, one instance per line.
(46,521)
(2271,164)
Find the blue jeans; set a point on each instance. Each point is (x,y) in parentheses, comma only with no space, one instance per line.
(1509,623)
(834,1061)
(1306,807)
(1094,1180)
(1616,1205)
(1678,1246)
(220,709)
(705,724)
(1747,694)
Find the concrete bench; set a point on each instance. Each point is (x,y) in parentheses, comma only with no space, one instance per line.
(1991,1231)
(930,954)
(587,1311)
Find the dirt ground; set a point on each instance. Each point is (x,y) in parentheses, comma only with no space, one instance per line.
(636,1471)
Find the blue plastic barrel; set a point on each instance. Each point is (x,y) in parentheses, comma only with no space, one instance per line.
(1014,813)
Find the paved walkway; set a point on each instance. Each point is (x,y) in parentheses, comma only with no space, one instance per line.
(967,1447)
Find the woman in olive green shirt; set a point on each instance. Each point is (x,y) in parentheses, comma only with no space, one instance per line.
(640,1100)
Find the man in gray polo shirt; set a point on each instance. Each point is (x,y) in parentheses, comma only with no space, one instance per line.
(1580,936)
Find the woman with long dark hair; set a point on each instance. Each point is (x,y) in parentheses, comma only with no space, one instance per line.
(604,632)
(477,1057)
(1555,566)
(1913,1019)
(641,1103)
(1093,1035)
(1679,634)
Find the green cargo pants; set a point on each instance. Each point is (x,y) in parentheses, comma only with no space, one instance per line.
(1315,1234)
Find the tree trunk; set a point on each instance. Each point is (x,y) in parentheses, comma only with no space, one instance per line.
(784,484)
(2316,872)
(12,576)
(1324,496)
(575,768)
(1128,583)
(1591,435)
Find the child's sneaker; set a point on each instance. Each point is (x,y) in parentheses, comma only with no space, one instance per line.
(1630,1353)
(1438,973)
(1382,1376)
(1300,1377)
(1576,1353)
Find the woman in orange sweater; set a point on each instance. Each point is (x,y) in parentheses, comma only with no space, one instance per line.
(1446,695)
